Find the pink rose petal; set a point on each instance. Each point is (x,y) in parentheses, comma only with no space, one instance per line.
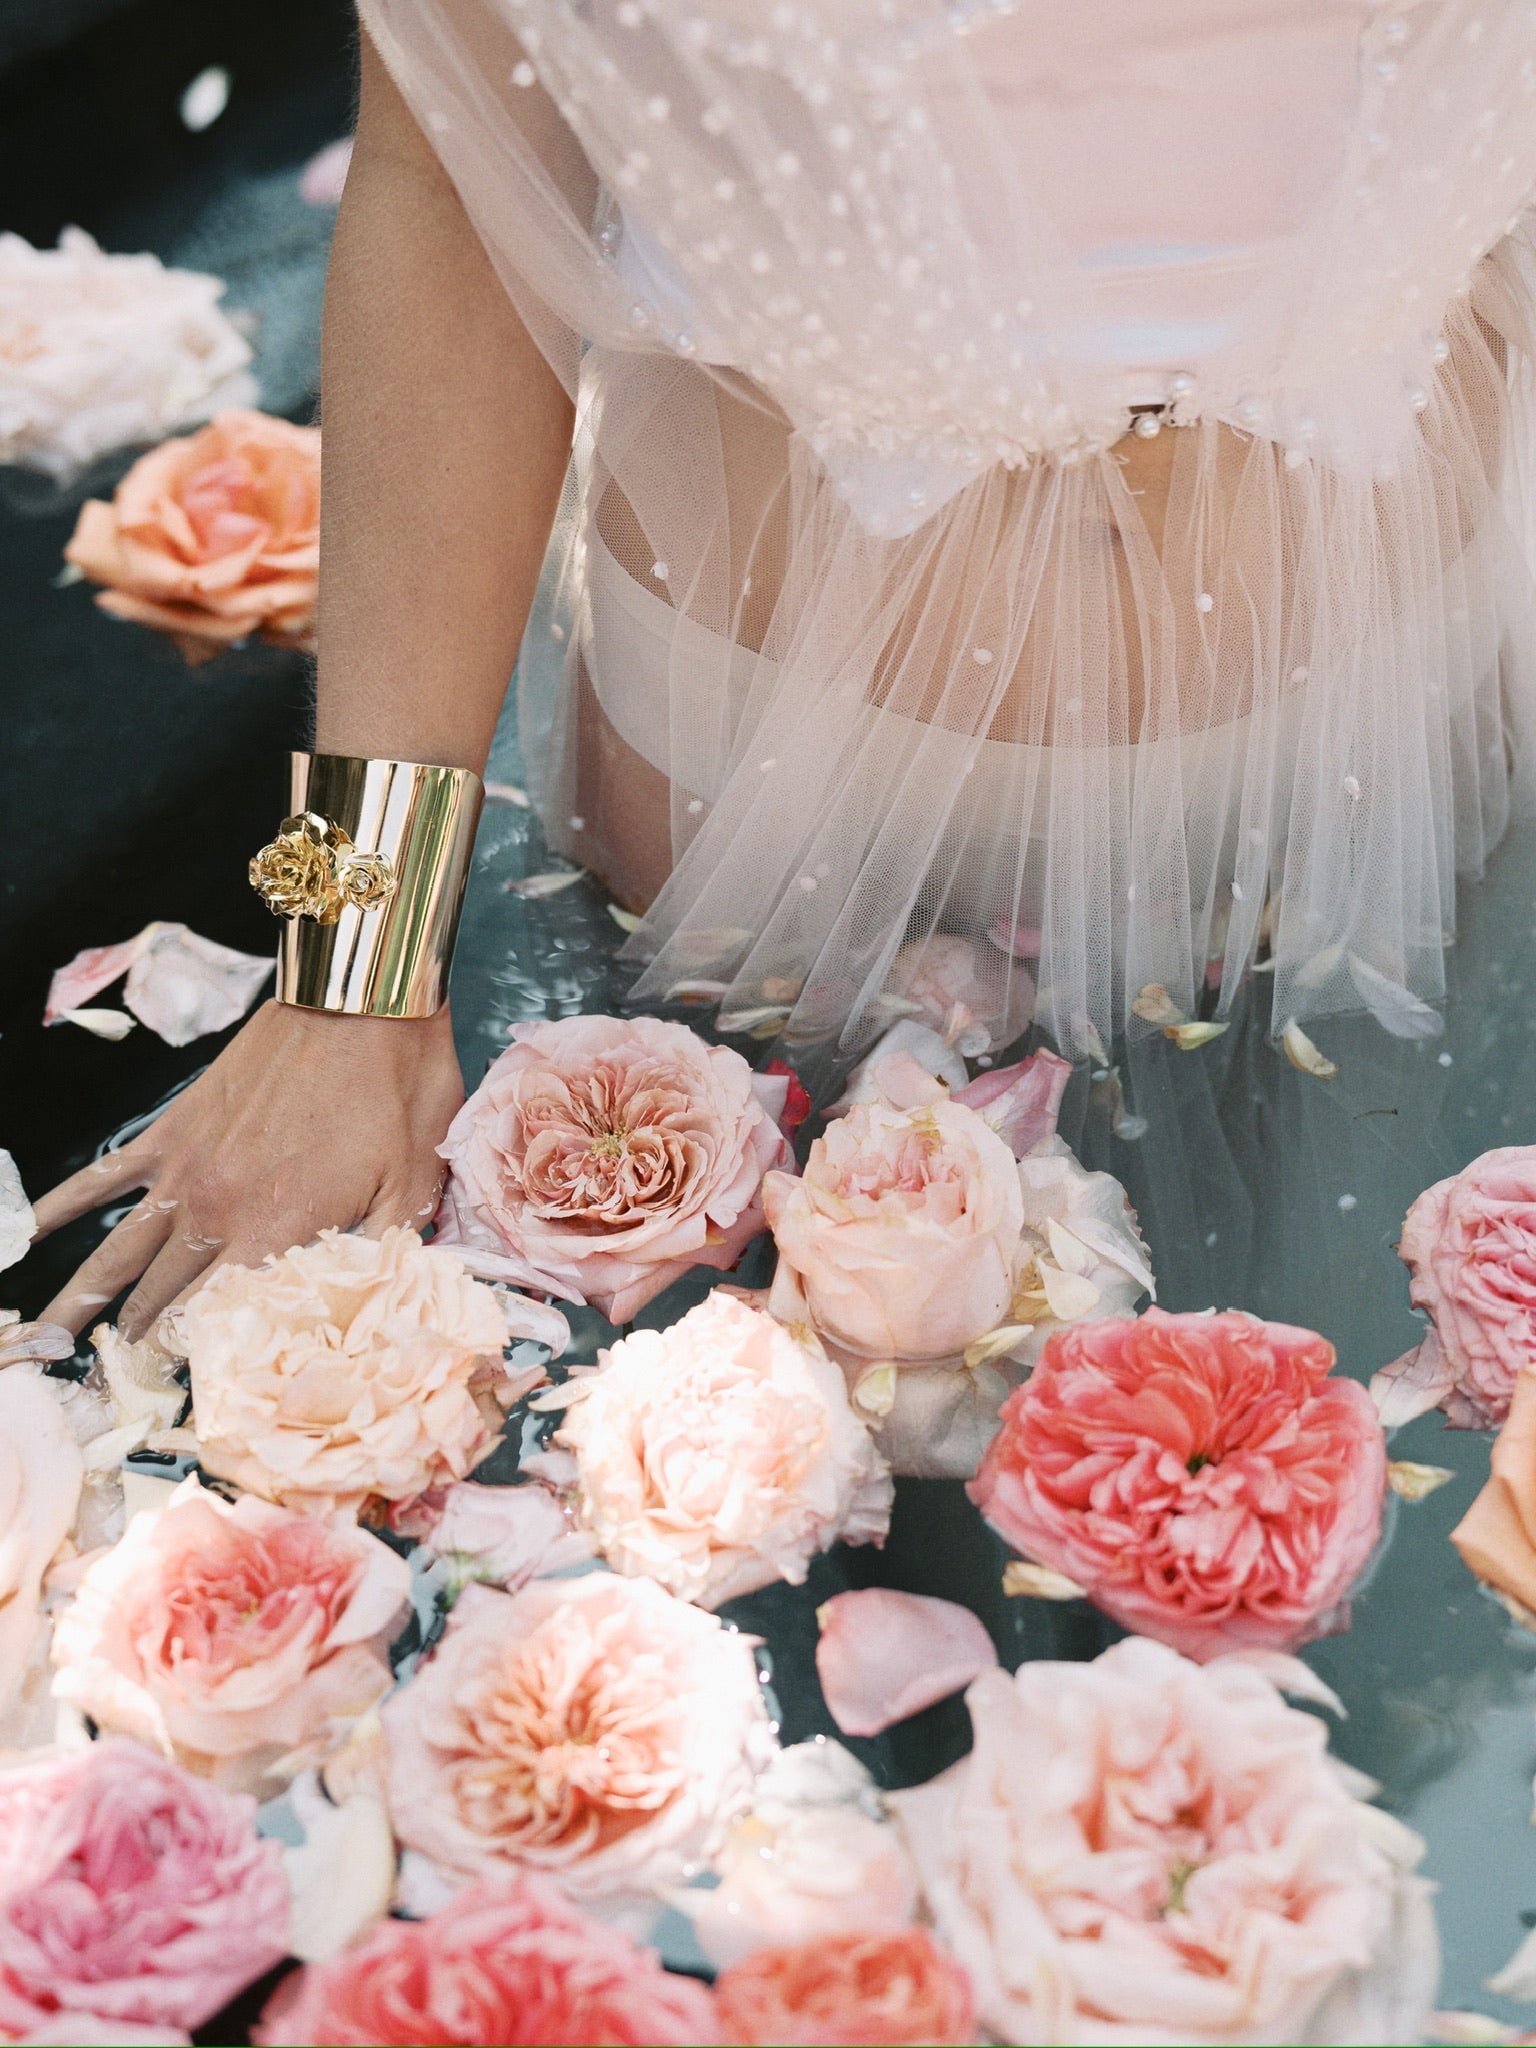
(885,1655)
(1021,1103)
(1413,1384)
(89,973)
(180,984)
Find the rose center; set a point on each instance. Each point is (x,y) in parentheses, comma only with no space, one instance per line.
(1180,1871)
(1198,1462)
(609,1146)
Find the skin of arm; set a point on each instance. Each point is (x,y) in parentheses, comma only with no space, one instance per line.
(446,442)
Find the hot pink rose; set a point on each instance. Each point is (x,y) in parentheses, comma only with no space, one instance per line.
(1470,1245)
(601,1158)
(1143,1849)
(213,538)
(846,1990)
(594,1729)
(506,1966)
(233,1635)
(130,1889)
(1201,1477)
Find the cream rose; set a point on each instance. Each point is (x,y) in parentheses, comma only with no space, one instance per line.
(721,1454)
(594,1729)
(41,1473)
(350,1367)
(602,1157)
(239,1638)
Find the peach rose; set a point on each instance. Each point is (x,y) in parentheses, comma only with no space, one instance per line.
(350,1367)
(721,1454)
(240,1638)
(41,1474)
(1469,1244)
(512,1965)
(1201,1477)
(131,1890)
(846,1990)
(602,1157)
(594,1729)
(213,537)
(1143,1849)
(1497,1535)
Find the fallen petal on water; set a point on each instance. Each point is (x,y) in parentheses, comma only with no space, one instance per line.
(1157,1006)
(507,793)
(1304,1055)
(996,1344)
(626,920)
(1190,1037)
(1024,1581)
(1416,1482)
(112,1024)
(533,888)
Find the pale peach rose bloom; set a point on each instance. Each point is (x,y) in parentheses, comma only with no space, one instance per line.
(593,1729)
(849,1990)
(41,1474)
(240,1638)
(1497,1535)
(602,1157)
(350,1367)
(1144,1849)
(213,537)
(721,1454)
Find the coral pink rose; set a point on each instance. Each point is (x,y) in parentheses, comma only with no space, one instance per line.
(130,1889)
(1201,1477)
(594,1729)
(721,1454)
(349,1367)
(214,537)
(1470,1245)
(601,1158)
(512,1965)
(233,1636)
(845,1990)
(1143,1849)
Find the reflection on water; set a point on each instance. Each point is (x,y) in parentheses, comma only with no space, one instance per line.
(1258,1187)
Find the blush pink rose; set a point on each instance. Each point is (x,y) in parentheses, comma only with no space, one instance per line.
(601,1158)
(1469,1244)
(593,1729)
(131,1890)
(233,1636)
(845,1990)
(512,1965)
(214,537)
(721,1454)
(349,1367)
(1144,1849)
(1201,1477)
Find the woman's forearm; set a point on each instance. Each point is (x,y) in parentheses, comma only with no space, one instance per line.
(446,441)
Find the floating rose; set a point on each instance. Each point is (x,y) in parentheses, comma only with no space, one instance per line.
(721,1454)
(131,1890)
(1202,1477)
(1497,1536)
(1144,1849)
(601,1158)
(350,1367)
(594,1729)
(1469,1244)
(212,538)
(878,1990)
(240,1638)
(512,1965)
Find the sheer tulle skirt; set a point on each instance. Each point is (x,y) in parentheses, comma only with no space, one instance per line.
(1062,744)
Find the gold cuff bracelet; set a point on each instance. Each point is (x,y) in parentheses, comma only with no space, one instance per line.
(369,874)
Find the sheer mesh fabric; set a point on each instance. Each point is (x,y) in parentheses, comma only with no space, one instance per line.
(871,635)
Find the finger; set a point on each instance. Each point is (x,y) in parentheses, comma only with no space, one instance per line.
(240,1251)
(115,1264)
(171,1276)
(113,1174)
(414,1203)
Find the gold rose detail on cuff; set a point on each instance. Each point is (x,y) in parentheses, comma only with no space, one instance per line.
(312,869)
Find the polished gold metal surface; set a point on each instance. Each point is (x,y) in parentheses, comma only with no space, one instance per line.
(369,873)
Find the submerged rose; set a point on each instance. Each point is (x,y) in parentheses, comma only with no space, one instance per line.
(233,1636)
(601,1158)
(594,1729)
(130,1889)
(1201,1477)
(1469,1244)
(1144,1849)
(350,1367)
(721,1454)
(214,537)
(512,1965)
(882,1989)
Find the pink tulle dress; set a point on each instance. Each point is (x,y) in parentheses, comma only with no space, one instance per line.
(1050,477)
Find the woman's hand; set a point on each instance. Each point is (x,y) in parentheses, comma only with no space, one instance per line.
(305,1120)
